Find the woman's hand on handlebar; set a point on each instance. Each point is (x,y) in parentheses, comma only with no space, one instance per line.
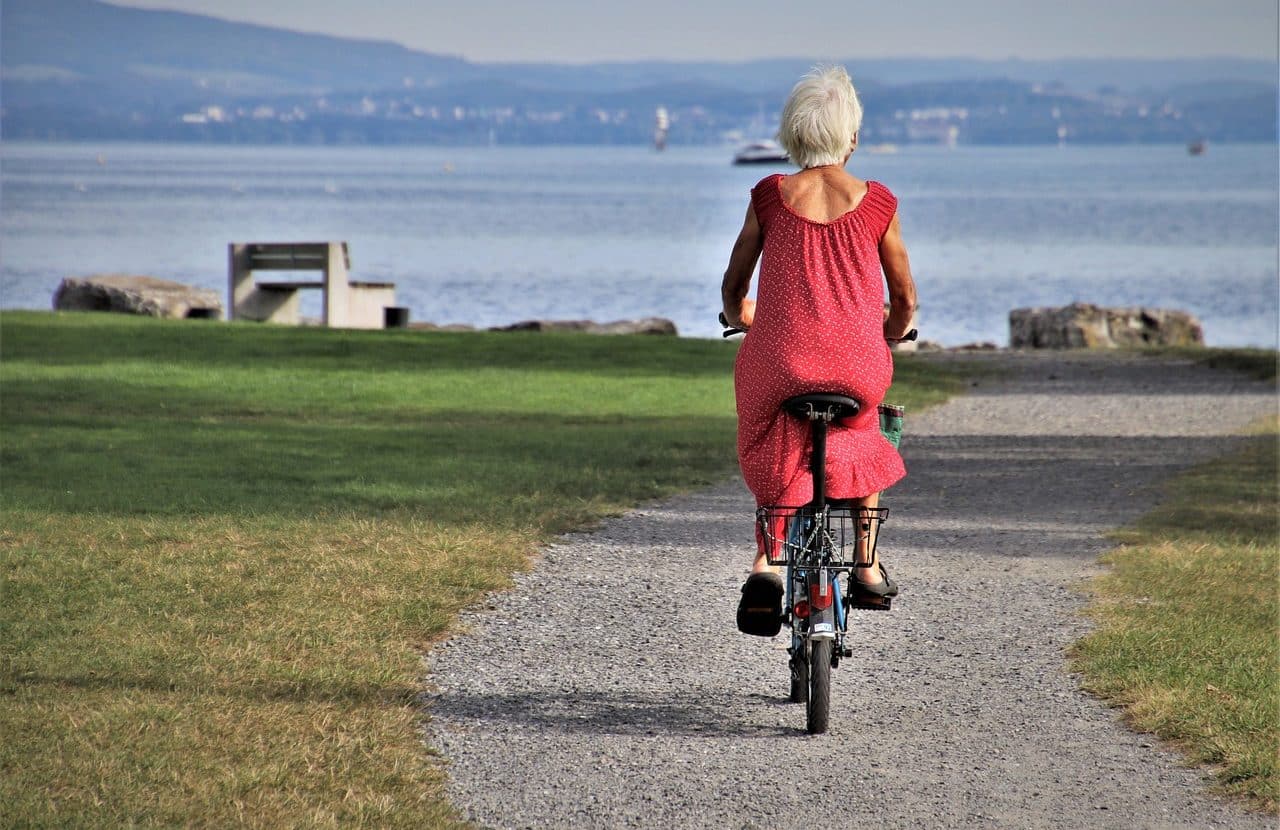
(729,329)
(906,338)
(898,329)
(745,317)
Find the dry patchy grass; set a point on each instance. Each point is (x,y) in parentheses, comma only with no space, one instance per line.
(1188,621)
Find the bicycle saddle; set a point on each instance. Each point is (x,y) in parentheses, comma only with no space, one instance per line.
(840,406)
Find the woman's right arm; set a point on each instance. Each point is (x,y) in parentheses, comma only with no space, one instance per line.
(902,288)
(738,310)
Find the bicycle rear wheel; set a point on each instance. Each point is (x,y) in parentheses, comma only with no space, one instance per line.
(818,706)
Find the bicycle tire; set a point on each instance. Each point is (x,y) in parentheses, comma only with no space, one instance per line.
(818,707)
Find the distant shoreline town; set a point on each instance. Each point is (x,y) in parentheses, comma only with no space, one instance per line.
(940,113)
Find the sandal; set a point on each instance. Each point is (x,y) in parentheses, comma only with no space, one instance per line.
(878,597)
(760,609)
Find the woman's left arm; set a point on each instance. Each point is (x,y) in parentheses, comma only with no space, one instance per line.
(738,310)
(897,273)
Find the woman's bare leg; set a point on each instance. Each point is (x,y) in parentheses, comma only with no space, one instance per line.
(866,549)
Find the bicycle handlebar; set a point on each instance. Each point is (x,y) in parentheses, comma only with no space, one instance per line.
(730,331)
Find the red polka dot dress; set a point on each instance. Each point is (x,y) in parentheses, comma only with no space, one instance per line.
(818,328)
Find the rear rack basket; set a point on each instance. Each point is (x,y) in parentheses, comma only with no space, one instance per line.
(798,535)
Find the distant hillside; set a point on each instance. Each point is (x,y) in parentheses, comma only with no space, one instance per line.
(84,69)
(187,54)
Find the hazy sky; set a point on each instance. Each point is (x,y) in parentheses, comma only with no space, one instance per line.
(595,30)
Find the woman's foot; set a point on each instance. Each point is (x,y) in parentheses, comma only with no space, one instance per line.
(760,609)
(877,595)
(869,575)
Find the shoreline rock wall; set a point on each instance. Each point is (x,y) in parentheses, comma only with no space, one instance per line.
(1087,326)
(645,325)
(131,294)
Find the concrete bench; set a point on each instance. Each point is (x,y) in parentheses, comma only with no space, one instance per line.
(346,303)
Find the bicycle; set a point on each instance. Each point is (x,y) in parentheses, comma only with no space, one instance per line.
(817,543)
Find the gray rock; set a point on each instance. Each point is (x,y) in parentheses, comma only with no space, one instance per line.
(546,325)
(645,325)
(1086,326)
(128,294)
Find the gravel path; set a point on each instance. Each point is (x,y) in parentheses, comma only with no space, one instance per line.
(611,689)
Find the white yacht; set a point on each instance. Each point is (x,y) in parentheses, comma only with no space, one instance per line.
(761,152)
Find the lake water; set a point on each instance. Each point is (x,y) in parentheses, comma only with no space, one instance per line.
(489,236)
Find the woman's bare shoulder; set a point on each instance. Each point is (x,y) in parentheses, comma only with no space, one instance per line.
(822,196)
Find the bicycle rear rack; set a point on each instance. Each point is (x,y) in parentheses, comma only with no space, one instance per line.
(799,535)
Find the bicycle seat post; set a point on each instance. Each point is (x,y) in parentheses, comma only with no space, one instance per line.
(818,461)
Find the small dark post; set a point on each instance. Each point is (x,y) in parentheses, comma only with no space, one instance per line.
(395,317)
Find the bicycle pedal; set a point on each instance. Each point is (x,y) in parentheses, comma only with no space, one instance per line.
(846,652)
(883,605)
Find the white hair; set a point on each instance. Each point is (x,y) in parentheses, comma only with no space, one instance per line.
(820,118)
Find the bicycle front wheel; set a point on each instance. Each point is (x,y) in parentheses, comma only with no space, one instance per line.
(819,702)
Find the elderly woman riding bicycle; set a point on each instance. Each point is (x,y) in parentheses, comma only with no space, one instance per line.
(828,244)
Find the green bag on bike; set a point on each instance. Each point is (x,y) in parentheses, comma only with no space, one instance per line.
(891,423)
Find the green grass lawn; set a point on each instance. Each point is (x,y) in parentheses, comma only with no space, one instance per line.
(224,547)
(1188,636)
